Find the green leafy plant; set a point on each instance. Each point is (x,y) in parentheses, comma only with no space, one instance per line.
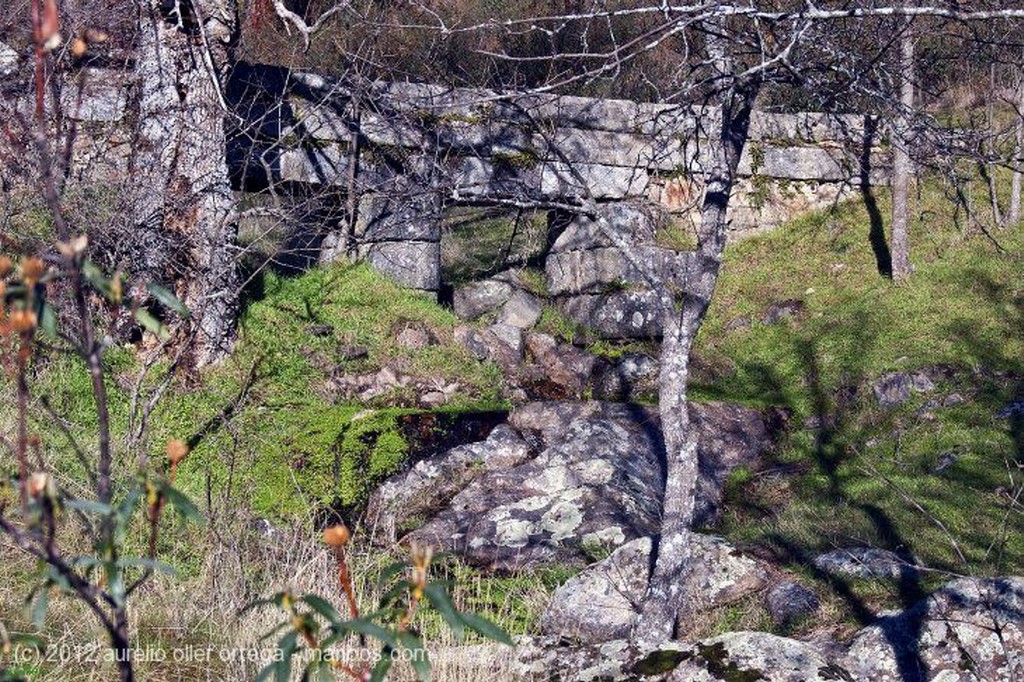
(316,633)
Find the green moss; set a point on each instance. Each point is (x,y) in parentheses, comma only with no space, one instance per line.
(522,159)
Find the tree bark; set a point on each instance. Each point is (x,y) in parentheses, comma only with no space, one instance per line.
(665,600)
(902,165)
(991,148)
(1013,213)
(182,207)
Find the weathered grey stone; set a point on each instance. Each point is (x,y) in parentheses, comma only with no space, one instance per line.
(789,602)
(9,59)
(522,310)
(636,222)
(411,264)
(781,310)
(588,272)
(104,99)
(371,385)
(630,377)
(971,629)
(800,163)
(316,166)
(864,562)
(551,658)
(485,344)
(407,500)
(473,300)
(1014,409)
(894,389)
(562,180)
(510,335)
(601,603)
(546,509)
(556,363)
(755,656)
(616,315)
(404,212)
(413,334)
(596,483)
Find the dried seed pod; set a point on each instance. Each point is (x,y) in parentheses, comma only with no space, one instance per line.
(32,269)
(23,320)
(337,535)
(177,450)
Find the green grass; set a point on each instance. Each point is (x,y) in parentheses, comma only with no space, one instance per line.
(869,477)
(300,445)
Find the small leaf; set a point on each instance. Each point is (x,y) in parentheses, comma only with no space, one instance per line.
(287,645)
(39,608)
(95,277)
(486,628)
(115,581)
(126,509)
(48,320)
(439,599)
(90,507)
(151,324)
(152,564)
(365,627)
(380,670)
(182,504)
(267,672)
(30,641)
(418,658)
(275,600)
(323,607)
(167,298)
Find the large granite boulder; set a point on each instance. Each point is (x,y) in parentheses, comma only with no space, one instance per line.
(970,629)
(595,484)
(754,656)
(406,501)
(601,603)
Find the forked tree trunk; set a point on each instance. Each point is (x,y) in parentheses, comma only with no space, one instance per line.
(665,600)
(902,165)
(181,205)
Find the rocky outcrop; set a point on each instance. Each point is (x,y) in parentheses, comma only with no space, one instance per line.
(601,603)
(405,502)
(594,484)
(894,389)
(865,562)
(790,602)
(753,656)
(971,629)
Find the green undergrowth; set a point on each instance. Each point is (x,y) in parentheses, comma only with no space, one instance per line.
(301,444)
(268,430)
(924,479)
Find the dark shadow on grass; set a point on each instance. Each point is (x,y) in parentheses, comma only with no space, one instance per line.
(831,412)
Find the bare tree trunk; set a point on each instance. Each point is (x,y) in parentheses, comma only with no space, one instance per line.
(182,205)
(665,600)
(991,150)
(1013,215)
(902,166)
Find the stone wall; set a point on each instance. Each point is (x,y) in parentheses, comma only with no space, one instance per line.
(408,150)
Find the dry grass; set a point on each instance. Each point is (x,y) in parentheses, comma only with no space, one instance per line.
(200,627)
